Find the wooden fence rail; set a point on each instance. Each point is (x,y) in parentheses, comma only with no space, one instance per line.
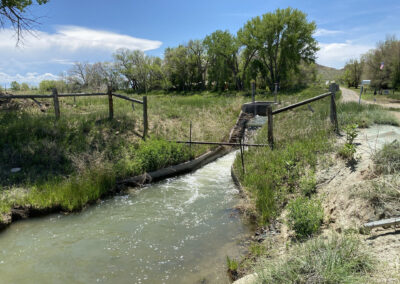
(220,143)
(333,115)
(55,96)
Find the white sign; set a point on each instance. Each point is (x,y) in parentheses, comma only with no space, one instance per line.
(366,82)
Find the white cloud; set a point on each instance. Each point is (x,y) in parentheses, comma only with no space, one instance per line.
(30,77)
(44,52)
(324,32)
(337,54)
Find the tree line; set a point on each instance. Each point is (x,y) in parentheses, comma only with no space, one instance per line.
(275,48)
(380,65)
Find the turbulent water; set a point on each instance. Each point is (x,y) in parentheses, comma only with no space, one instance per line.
(176,231)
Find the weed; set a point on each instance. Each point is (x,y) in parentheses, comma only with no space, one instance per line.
(349,148)
(233,266)
(257,249)
(305,216)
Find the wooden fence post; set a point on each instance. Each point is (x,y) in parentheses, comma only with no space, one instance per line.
(270,127)
(334,119)
(110,104)
(253,97)
(190,138)
(241,155)
(145,121)
(333,88)
(56,104)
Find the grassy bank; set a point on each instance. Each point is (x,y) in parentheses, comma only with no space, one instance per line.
(75,160)
(302,137)
(282,184)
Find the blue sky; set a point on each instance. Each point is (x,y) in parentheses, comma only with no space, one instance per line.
(90,31)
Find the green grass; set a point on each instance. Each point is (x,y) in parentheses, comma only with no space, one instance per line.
(338,259)
(76,160)
(369,95)
(387,160)
(364,115)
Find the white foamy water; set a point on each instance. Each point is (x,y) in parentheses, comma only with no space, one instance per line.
(176,231)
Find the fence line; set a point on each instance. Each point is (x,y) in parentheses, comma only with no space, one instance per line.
(55,96)
(333,114)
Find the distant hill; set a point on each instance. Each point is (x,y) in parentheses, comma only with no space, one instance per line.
(328,73)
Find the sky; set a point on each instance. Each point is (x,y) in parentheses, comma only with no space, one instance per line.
(92,30)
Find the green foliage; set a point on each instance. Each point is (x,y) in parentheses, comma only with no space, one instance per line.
(222,51)
(349,148)
(24,87)
(258,250)
(387,160)
(19,4)
(352,73)
(15,86)
(387,52)
(282,40)
(305,216)
(232,264)
(308,184)
(338,259)
(48,85)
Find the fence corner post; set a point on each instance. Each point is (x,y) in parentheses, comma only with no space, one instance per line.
(56,104)
(270,127)
(110,104)
(145,118)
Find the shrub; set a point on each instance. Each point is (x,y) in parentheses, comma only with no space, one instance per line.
(305,216)
(349,148)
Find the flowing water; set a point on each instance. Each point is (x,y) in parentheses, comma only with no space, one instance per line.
(176,231)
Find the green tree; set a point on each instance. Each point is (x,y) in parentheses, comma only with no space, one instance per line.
(15,86)
(135,66)
(24,87)
(176,62)
(352,73)
(197,63)
(15,13)
(222,52)
(388,53)
(280,42)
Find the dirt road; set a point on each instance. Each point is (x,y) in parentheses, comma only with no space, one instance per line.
(351,96)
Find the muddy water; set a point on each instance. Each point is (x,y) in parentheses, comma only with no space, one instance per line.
(176,231)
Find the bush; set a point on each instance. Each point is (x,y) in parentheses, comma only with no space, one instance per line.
(349,148)
(305,216)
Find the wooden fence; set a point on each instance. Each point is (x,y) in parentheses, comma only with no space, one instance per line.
(55,96)
(333,113)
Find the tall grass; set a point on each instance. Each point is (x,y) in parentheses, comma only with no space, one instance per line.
(338,259)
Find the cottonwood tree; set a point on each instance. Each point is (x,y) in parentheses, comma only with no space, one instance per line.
(176,62)
(197,63)
(14,13)
(352,72)
(383,64)
(281,41)
(222,52)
